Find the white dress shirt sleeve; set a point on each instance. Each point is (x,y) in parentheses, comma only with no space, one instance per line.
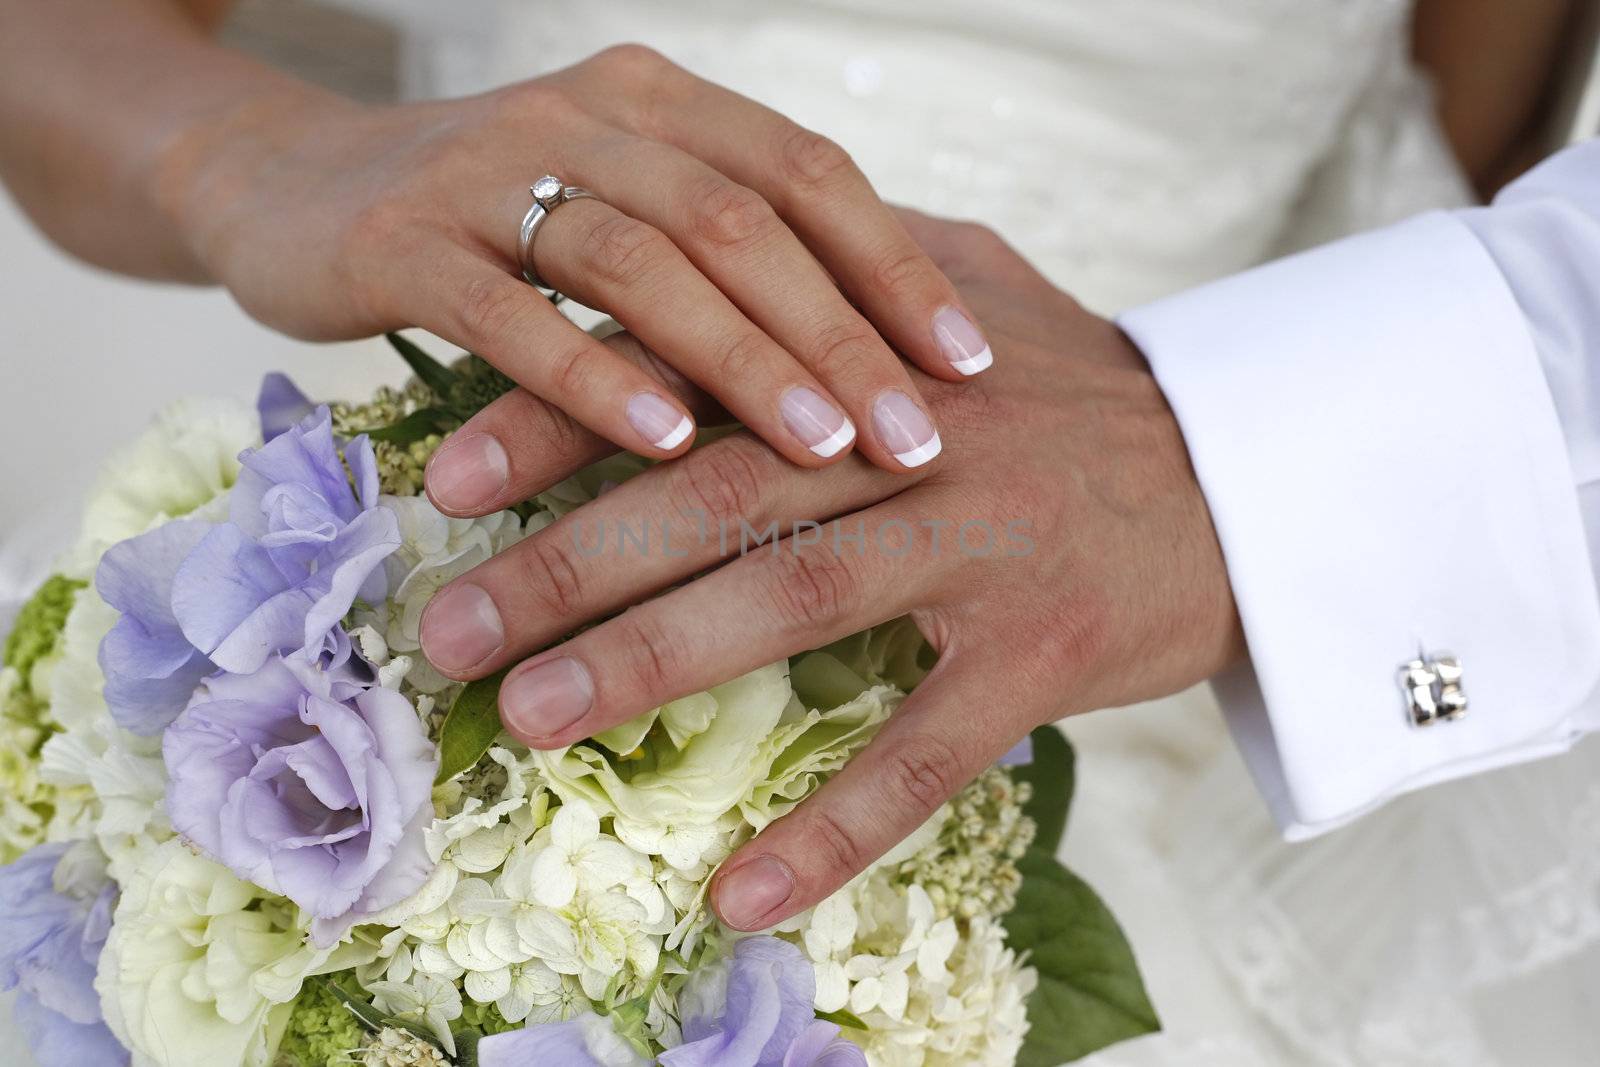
(1399,439)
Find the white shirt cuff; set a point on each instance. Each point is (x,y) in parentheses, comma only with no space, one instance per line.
(1384,465)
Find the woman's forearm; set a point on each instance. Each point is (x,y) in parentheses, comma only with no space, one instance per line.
(106,106)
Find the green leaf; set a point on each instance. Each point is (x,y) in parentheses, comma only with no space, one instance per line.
(414,427)
(470,726)
(1090,994)
(842,1018)
(434,375)
(368,1015)
(1051,775)
(466,1047)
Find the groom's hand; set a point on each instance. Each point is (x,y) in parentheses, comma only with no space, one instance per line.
(1060,559)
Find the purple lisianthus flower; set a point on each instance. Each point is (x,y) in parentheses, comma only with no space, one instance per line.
(756,1009)
(585,1040)
(55,912)
(301,546)
(151,669)
(308,781)
(280,404)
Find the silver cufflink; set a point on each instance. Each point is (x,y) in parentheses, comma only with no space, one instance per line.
(1432,687)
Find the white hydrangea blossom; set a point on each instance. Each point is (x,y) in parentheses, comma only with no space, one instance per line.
(931,994)
(487,813)
(423,1000)
(397,1048)
(434,549)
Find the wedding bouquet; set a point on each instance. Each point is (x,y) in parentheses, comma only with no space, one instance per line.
(246,824)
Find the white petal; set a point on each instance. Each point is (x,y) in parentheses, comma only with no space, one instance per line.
(864,996)
(555,883)
(833,988)
(515,1005)
(574,826)
(546,936)
(604,863)
(892,999)
(486,986)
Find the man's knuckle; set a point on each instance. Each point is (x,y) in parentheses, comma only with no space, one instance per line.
(654,650)
(841,853)
(559,434)
(809,159)
(727,214)
(924,772)
(813,587)
(1077,644)
(622,250)
(724,483)
(550,573)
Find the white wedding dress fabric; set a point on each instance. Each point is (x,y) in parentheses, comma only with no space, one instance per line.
(1130,150)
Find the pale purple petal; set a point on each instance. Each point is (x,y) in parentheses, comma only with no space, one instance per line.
(230,591)
(770,990)
(310,782)
(363,463)
(150,667)
(350,568)
(57,1041)
(280,405)
(305,540)
(50,945)
(820,1045)
(135,576)
(1019,754)
(584,1040)
(303,455)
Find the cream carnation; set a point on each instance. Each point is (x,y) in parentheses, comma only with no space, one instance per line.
(201,967)
(186,459)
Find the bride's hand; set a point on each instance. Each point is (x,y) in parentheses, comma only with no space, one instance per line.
(1062,558)
(717,236)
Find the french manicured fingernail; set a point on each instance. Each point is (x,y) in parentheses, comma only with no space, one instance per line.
(752,890)
(820,426)
(547,698)
(468,472)
(904,430)
(461,628)
(661,424)
(961,341)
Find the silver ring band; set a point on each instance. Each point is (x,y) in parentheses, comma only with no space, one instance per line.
(548,194)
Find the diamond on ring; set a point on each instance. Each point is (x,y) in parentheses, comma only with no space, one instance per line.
(546,189)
